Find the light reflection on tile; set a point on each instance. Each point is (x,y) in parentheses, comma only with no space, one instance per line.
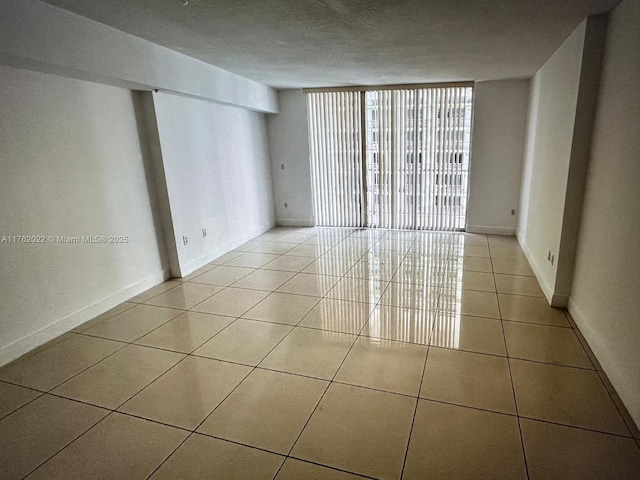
(338,315)
(398,323)
(474,334)
(416,299)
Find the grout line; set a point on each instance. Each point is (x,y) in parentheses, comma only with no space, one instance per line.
(337,370)
(68,444)
(405,253)
(513,388)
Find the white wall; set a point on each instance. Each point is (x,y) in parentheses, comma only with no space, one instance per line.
(38,36)
(552,110)
(561,106)
(216,164)
(289,146)
(499,125)
(606,283)
(498,139)
(71,164)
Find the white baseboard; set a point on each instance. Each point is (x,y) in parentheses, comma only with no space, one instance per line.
(628,391)
(554,300)
(295,222)
(210,256)
(31,341)
(491,230)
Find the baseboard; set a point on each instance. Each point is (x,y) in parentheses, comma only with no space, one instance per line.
(628,391)
(490,230)
(546,288)
(28,343)
(210,256)
(295,222)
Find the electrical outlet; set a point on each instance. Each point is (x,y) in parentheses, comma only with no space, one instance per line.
(185,240)
(204,233)
(286,205)
(282,166)
(513,212)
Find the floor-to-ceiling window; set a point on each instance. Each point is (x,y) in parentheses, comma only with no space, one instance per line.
(391,157)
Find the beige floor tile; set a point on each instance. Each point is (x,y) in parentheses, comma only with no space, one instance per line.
(469,302)
(251,260)
(372,271)
(187,393)
(476,264)
(157,290)
(120,446)
(566,395)
(471,239)
(198,272)
(511,266)
(274,234)
(401,324)
(544,343)
(474,334)
(385,365)
(222,259)
(13,397)
(518,285)
(556,451)
(635,432)
(297,469)
(309,284)
(503,241)
(338,316)
(120,376)
(424,297)
(46,345)
(315,353)
(475,281)
(54,365)
(244,341)
(470,379)
(358,290)
(123,307)
(475,251)
(232,302)
(289,263)
(328,266)
(274,248)
(205,457)
(385,257)
(268,410)
(186,332)
(308,250)
(296,237)
(282,308)
(359,430)
(424,277)
(223,275)
(508,252)
(452,442)
(184,296)
(31,435)
(263,279)
(134,323)
(530,309)
(250,246)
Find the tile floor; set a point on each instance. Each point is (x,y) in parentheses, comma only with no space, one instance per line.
(324,354)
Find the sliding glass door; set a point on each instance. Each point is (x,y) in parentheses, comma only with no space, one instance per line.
(391,158)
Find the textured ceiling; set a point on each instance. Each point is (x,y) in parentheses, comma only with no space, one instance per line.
(310,43)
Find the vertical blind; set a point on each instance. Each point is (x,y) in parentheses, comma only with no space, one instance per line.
(335,138)
(391,158)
